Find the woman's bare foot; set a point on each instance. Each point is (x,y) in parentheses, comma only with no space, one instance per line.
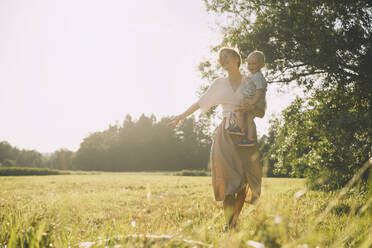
(234,222)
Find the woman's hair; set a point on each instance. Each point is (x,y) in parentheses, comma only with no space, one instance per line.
(259,55)
(234,53)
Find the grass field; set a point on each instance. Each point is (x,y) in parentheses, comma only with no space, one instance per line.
(157,210)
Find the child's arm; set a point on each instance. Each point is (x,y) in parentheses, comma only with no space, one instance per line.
(182,116)
(256,97)
(251,108)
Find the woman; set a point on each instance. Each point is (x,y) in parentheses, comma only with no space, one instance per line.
(236,173)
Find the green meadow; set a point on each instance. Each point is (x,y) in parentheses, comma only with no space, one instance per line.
(160,210)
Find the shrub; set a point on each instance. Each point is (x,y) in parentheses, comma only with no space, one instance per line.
(20,171)
(192,173)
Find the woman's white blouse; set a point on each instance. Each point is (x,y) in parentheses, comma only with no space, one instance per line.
(220,92)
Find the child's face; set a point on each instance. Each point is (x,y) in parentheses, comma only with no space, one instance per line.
(254,64)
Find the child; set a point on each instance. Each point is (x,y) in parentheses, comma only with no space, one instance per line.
(253,90)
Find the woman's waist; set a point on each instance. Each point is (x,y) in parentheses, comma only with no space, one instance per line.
(228,114)
(231,107)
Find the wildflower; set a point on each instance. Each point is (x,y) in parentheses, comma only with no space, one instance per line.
(278,219)
(255,244)
(299,193)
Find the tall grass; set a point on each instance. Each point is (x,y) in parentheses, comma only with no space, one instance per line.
(154,210)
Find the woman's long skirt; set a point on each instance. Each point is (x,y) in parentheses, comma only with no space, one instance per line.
(234,168)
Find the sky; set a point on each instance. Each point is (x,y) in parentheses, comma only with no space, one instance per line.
(69,68)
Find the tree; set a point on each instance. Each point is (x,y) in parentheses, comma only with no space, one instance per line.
(61,159)
(325,47)
(322,142)
(267,150)
(8,163)
(24,158)
(194,143)
(29,158)
(92,154)
(8,152)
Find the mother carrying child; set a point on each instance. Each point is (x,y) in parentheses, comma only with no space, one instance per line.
(236,171)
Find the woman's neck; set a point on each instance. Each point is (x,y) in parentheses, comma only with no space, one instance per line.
(234,76)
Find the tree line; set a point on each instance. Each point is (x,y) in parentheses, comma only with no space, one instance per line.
(12,156)
(147,145)
(137,145)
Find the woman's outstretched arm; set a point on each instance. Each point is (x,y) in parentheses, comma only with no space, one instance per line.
(182,116)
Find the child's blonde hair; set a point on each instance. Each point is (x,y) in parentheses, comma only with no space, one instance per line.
(233,52)
(259,55)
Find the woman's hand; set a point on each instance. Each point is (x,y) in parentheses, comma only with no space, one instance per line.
(250,102)
(244,107)
(175,121)
(182,116)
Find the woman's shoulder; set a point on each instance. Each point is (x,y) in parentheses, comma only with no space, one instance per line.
(220,81)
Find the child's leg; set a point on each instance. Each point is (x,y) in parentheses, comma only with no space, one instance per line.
(244,125)
(251,126)
(251,135)
(240,119)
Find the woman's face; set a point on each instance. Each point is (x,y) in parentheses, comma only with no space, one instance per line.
(228,61)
